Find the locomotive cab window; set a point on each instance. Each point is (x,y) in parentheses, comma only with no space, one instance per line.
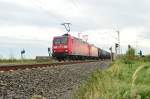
(56,41)
(62,40)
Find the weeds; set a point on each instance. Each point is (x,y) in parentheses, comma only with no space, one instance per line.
(37,97)
(120,81)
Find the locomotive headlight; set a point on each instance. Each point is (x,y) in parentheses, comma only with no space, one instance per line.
(66,50)
(65,46)
(55,46)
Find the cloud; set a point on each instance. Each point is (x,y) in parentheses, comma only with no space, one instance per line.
(84,15)
(115,13)
(14,14)
(145,35)
(29,21)
(10,46)
(33,39)
(29,32)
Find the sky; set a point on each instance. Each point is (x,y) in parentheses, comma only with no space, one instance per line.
(32,24)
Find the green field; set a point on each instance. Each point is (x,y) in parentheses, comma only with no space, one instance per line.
(124,79)
(25,61)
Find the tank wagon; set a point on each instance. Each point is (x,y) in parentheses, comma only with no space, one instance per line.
(67,47)
(103,54)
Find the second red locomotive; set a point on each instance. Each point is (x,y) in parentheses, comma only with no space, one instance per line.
(67,47)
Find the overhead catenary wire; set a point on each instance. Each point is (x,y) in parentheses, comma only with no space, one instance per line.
(58,18)
(40,5)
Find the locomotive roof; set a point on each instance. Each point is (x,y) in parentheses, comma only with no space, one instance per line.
(66,35)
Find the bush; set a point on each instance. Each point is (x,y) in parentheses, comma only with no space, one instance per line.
(129,57)
(146,58)
(130,54)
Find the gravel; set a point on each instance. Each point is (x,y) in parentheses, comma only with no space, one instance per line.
(51,82)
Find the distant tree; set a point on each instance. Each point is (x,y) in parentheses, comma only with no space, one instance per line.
(140,53)
(130,54)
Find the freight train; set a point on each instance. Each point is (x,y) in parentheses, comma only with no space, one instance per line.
(67,47)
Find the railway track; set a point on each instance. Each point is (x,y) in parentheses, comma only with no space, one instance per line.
(30,66)
(58,82)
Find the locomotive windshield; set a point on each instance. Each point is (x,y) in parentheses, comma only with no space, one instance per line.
(62,40)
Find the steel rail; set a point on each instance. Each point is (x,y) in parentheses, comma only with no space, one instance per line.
(30,66)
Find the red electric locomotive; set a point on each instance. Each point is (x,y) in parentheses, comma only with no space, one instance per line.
(72,48)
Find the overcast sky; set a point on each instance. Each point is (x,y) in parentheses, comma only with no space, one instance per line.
(31,24)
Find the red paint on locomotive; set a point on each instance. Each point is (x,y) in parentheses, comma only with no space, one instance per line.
(67,46)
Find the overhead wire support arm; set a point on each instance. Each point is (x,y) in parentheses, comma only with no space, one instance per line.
(67,26)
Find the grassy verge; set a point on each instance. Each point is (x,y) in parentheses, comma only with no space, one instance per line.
(120,81)
(25,61)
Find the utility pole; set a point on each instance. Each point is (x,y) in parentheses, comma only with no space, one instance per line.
(85,37)
(116,47)
(67,26)
(111,54)
(136,45)
(79,35)
(118,41)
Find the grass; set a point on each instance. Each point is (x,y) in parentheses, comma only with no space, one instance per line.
(120,81)
(25,61)
(38,97)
